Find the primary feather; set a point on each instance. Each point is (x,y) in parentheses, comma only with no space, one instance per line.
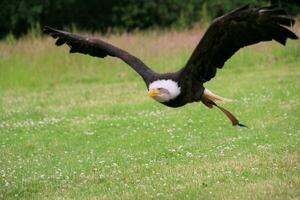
(98,48)
(227,34)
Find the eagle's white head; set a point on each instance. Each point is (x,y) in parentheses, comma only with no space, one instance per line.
(164,90)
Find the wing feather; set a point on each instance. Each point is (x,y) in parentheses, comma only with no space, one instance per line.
(99,48)
(227,34)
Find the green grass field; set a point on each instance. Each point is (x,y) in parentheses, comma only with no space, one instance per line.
(76,127)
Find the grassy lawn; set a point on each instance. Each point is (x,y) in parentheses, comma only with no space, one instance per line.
(76,127)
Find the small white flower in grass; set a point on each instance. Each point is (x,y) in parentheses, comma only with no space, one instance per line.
(89,133)
(101,176)
(115,165)
(189,154)
(159,194)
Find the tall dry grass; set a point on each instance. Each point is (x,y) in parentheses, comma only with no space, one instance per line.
(36,61)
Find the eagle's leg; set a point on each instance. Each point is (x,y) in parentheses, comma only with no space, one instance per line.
(208,99)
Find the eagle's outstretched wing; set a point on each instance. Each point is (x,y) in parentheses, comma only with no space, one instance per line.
(227,34)
(99,48)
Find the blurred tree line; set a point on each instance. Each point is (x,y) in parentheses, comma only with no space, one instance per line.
(17,17)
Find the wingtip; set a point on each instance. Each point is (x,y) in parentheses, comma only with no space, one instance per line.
(294,36)
(46,29)
(293,21)
(49,30)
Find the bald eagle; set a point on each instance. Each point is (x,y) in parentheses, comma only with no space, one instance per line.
(225,36)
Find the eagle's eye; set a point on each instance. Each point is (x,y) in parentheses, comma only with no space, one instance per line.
(163,90)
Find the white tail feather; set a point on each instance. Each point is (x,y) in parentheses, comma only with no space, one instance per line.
(213,97)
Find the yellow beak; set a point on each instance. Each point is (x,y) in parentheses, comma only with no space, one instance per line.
(153,92)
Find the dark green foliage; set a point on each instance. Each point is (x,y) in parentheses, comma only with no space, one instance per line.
(19,16)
